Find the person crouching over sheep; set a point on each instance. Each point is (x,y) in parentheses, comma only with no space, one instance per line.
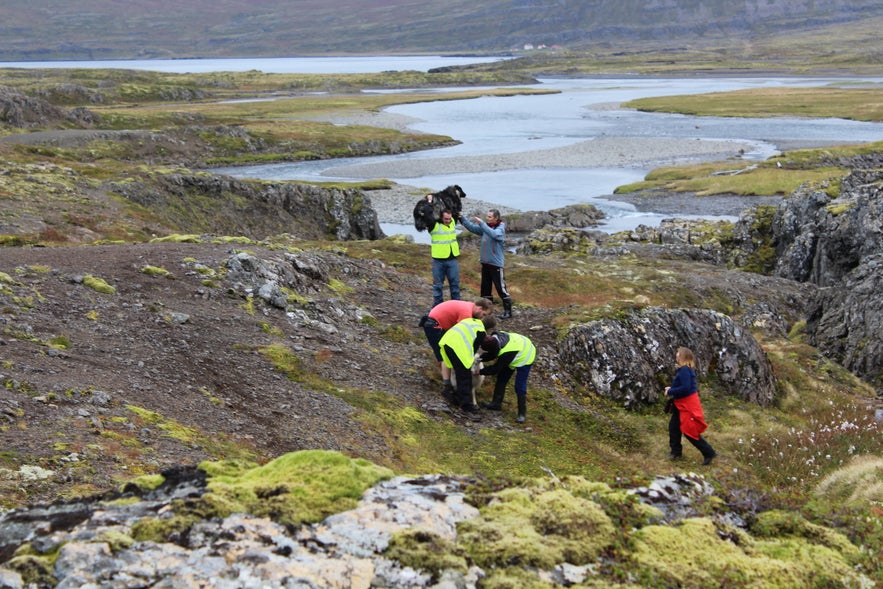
(441,318)
(514,353)
(459,348)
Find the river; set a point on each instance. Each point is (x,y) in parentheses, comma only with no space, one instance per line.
(582,110)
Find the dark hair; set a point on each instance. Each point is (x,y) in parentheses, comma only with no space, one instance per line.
(491,346)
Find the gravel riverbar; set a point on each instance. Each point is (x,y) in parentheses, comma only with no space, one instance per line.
(396,205)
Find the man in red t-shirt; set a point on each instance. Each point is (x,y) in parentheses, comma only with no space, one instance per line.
(444,316)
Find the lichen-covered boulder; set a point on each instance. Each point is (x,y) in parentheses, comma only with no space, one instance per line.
(630,358)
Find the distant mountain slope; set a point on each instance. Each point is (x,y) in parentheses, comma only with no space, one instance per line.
(106,29)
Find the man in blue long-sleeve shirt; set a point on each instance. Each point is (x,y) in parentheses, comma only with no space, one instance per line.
(493,250)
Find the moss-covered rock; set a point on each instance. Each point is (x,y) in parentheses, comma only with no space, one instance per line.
(295,488)
(538,528)
(697,554)
(421,549)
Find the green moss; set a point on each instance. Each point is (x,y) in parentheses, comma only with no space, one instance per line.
(421,549)
(123,501)
(295,488)
(396,333)
(797,333)
(284,360)
(216,445)
(98,284)
(838,208)
(339,287)
(35,571)
(233,239)
(35,567)
(763,259)
(778,524)
(294,298)
(177,238)
(148,482)
(60,342)
(271,329)
(248,305)
(537,528)
(515,578)
(155,271)
(115,539)
(159,529)
(697,554)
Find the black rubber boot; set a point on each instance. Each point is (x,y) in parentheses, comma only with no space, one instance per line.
(497,403)
(507,308)
(522,409)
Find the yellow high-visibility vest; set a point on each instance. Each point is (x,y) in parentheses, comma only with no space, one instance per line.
(526,351)
(444,241)
(461,338)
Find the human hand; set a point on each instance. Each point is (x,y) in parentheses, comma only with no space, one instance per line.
(478,220)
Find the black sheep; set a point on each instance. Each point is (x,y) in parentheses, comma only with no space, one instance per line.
(425,213)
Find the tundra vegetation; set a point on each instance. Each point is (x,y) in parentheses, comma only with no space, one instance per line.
(805,471)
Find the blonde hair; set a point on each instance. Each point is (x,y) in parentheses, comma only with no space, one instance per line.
(685,358)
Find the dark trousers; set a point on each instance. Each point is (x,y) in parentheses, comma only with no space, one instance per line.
(463,394)
(503,376)
(434,334)
(674,437)
(492,276)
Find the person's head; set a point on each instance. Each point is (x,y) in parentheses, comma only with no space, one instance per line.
(490,323)
(684,357)
(493,217)
(446,216)
(481,308)
(490,348)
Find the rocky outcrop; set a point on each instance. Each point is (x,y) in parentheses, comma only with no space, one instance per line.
(20,111)
(407,532)
(549,239)
(820,239)
(630,359)
(579,216)
(846,320)
(202,202)
(833,243)
(837,244)
(95,545)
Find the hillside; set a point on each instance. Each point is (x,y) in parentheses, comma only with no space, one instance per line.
(155,317)
(105,29)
